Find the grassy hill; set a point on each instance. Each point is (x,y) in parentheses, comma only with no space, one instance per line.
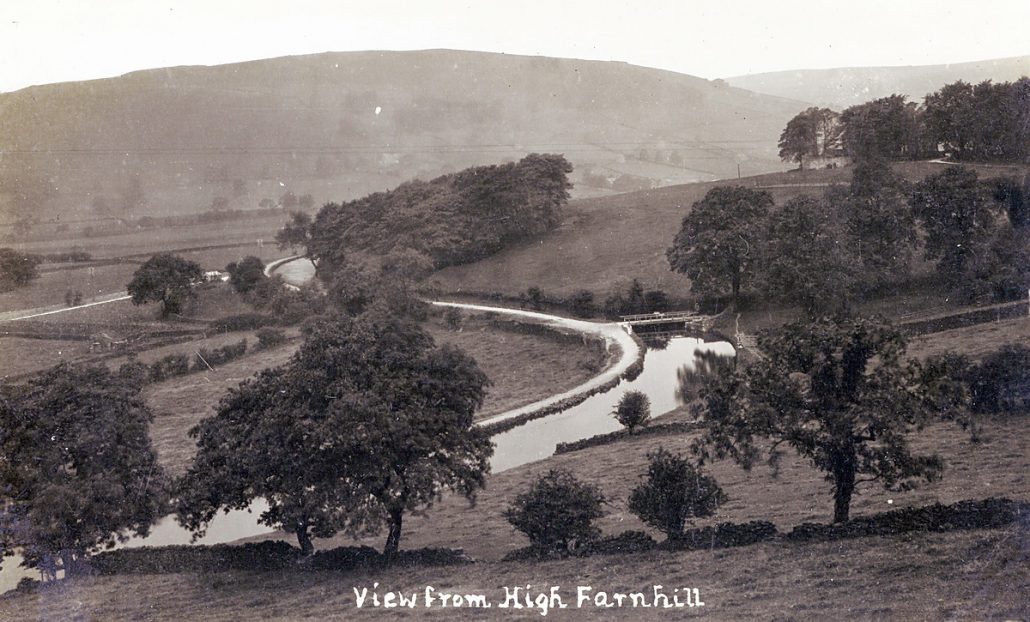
(340,125)
(842,87)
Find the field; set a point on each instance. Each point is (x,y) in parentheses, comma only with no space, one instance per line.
(919,576)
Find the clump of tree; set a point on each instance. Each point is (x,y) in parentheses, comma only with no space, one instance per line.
(718,245)
(557,513)
(633,410)
(976,232)
(839,394)
(17,269)
(77,470)
(167,279)
(246,274)
(673,493)
(985,121)
(633,299)
(368,421)
(452,219)
(813,133)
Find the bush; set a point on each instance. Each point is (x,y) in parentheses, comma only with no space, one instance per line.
(242,321)
(557,512)
(219,356)
(270,337)
(1001,382)
(581,304)
(633,410)
(246,275)
(169,367)
(535,298)
(674,492)
(453,318)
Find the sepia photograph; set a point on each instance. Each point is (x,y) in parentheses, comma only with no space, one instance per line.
(568,310)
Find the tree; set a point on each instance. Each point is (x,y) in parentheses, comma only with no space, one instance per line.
(717,244)
(17,269)
(887,128)
(956,213)
(633,410)
(77,470)
(368,420)
(999,267)
(835,391)
(812,133)
(245,275)
(557,512)
(167,279)
(808,259)
(674,492)
(296,232)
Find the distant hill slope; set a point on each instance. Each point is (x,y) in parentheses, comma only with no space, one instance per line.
(339,125)
(846,86)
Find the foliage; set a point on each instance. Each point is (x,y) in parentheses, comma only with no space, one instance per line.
(717,245)
(633,410)
(956,212)
(999,267)
(674,492)
(1001,382)
(169,367)
(270,337)
(808,258)
(885,128)
(581,303)
(77,471)
(633,300)
(207,359)
(167,279)
(557,512)
(981,122)
(296,232)
(813,132)
(245,275)
(367,421)
(17,269)
(535,297)
(452,219)
(820,393)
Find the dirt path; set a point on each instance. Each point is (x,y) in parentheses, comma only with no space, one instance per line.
(25,314)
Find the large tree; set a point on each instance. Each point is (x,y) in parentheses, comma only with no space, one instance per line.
(887,128)
(717,246)
(811,133)
(167,279)
(958,214)
(808,258)
(17,269)
(838,393)
(368,421)
(77,470)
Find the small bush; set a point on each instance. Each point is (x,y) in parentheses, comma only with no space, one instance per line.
(219,356)
(581,303)
(674,492)
(535,298)
(557,512)
(270,337)
(169,367)
(633,410)
(453,318)
(242,321)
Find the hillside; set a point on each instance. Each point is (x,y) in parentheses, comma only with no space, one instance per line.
(845,86)
(340,125)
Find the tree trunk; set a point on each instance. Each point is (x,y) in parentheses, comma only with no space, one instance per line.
(306,547)
(68,563)
(393,540)
(843,485)
(736,290)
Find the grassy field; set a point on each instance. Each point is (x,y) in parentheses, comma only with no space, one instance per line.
(919,576)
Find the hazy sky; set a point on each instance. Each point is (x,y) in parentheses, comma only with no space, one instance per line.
(45,41)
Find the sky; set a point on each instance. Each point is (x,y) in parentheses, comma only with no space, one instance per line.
(43,41)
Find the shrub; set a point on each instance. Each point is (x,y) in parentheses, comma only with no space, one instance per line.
(134,372)
(245,275)
(535,298)
(633,410)
(581,304)
(1002,381)
(270,337)
(557,512)
(241,321)
(674,492)
(453,318)
(219,356)
(169,367)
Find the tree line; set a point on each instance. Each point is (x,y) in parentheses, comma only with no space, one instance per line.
(448,220)
(824,252)
(971,122)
